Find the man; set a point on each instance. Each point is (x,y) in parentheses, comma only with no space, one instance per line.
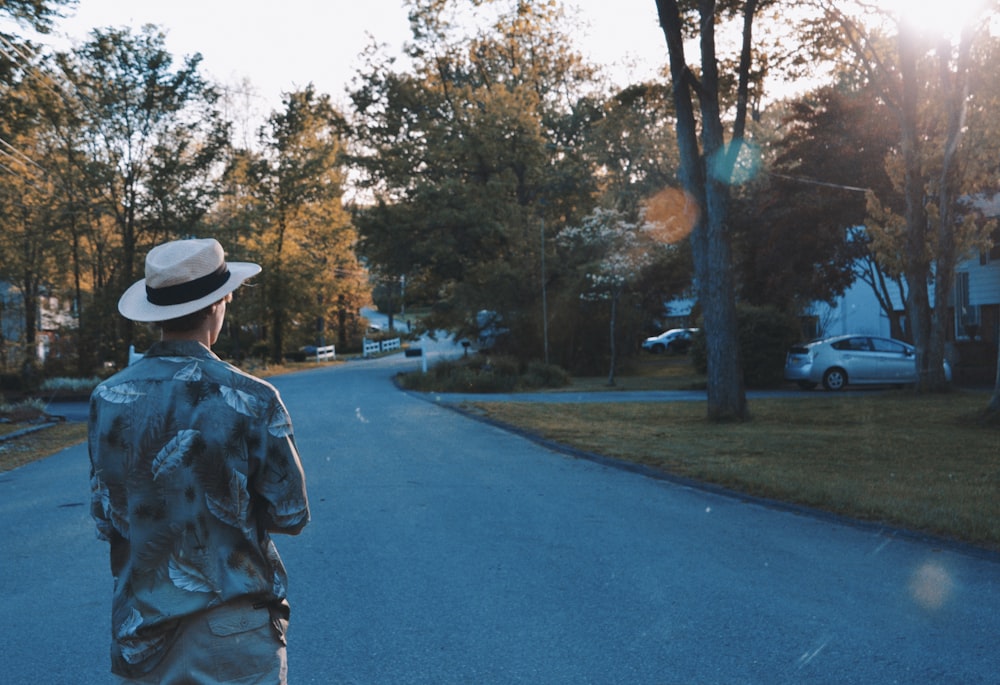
(193,466)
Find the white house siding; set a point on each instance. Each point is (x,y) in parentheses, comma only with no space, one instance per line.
(984,281)
(856,311)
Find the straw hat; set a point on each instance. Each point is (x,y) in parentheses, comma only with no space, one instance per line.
(182,277)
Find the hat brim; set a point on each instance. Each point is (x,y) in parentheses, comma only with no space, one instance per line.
(134,305)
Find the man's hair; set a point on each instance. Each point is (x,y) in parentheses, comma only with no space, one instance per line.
(186,323)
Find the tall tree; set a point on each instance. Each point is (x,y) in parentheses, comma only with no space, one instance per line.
(927,76)
(153,139)
(472,161)
(632,144)
(31,242)
(621,251)
(16,53)
(707,162)
(794,237)
(26,189)
(305,238)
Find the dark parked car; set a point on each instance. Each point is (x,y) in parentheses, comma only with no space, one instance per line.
(852,359)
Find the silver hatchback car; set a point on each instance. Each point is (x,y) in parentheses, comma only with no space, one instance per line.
(854,359)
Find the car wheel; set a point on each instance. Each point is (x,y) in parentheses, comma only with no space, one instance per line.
(806,385)
(834,379)
(657,348)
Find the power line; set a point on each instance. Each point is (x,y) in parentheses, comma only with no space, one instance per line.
(18,155)
(810,181)
(20,176)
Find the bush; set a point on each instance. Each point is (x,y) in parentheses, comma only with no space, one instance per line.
(542,375)
(22,412)
(765,334)
(485,374)
(70,385)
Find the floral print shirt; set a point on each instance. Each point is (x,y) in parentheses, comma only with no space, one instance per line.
(193,465)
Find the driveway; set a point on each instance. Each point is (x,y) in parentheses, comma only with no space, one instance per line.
(444,550)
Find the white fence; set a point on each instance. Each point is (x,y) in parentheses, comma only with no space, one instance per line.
(374,347)
(326,353)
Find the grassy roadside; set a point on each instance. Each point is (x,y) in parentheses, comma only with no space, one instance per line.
(921,463)
(39,444)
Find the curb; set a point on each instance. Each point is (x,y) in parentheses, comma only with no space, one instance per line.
(26,431)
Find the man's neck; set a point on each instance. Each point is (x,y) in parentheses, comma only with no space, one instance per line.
(200,336)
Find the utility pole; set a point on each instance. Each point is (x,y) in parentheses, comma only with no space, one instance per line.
(545,305)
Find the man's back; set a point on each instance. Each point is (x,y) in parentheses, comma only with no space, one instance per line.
(193,465)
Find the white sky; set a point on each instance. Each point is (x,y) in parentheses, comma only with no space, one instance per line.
(282,46)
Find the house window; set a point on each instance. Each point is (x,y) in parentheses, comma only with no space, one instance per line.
(993,254)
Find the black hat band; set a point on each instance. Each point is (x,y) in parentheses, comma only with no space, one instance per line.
(190,291)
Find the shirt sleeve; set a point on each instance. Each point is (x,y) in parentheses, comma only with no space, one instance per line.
(99,496)
(282,481)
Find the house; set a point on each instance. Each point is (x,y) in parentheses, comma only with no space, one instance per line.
(856,311)
(52,317)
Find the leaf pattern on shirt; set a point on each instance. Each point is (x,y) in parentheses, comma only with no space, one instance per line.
(242,402)
(173,453)
(130,625)
(187,576)
(137,651)
(191,372)
(232,507)
(133,648)
(289,513)
(156,550)
(123,393)
(118,515)
(100,506)
(280,425)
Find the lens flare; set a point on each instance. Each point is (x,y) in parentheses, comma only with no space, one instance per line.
(671,215)
(931,586)
(735,165)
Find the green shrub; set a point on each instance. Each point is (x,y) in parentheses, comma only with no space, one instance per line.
(22,412)
(765,334)
(70,384)
(484,374)
(542,375)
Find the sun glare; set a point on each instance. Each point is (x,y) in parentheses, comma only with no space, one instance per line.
(932,15)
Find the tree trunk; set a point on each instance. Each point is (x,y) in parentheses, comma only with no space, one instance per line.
(277,293)
(956,89)
(341,322)
(710,237)
(917,268)
(613,325)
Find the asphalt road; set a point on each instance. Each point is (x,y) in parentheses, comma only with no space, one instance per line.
(444,550)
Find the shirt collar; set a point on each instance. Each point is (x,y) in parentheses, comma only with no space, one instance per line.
(180,348)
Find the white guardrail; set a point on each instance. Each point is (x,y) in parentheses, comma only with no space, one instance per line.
(326,353)
(374,347)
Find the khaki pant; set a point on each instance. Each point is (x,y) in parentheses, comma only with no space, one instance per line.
(228,644)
